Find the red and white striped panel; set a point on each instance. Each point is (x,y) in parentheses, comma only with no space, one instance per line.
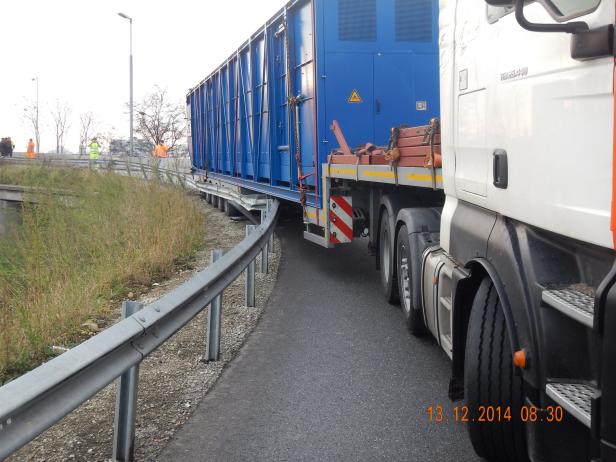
(340,219)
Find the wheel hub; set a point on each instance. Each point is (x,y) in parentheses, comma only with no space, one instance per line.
(405,280)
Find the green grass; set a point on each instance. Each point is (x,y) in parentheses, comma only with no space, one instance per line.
(74,257)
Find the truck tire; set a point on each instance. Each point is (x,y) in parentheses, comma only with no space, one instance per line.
(387,260)
(413,317)
(490,382)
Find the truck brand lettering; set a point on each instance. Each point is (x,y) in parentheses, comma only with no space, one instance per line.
(509,75)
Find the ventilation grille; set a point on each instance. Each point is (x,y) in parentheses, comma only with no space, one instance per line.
(414,20)
(357,20)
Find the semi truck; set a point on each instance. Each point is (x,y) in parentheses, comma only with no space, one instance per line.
(472,144)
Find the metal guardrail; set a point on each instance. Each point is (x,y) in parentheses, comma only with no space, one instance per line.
(149,168)
(146,168)
(35,401)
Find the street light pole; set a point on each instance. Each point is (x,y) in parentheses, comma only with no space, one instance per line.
(130,103)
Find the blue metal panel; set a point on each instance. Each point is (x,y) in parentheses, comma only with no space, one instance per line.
(346,73)
(397,95)
(243,126)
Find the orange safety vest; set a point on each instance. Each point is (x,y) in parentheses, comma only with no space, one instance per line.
(160,151)
(30,154)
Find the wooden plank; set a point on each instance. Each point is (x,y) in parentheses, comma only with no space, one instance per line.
(352,160)
(418,151)
(416,141)
(411,162)
(414,131)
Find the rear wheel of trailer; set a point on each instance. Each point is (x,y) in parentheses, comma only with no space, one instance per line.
(413,317)
(387,259)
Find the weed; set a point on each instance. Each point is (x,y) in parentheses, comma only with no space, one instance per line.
(75,253)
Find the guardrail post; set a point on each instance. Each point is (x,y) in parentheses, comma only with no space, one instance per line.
(212,350)
(271,238)
(250,275)
(145,175)
(126,403)
(264,250)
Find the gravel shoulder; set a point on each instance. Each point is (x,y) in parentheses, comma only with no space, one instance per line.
(174,379)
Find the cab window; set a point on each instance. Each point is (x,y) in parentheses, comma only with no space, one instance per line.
(494,13)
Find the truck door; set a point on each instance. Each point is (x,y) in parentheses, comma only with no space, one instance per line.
(470,106)
(552,116)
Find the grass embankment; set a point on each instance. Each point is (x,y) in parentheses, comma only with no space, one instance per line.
(74,257)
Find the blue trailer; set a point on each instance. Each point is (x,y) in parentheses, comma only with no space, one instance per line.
(262,119)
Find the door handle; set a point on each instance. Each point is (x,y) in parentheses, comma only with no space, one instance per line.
(500,169)
(377,106)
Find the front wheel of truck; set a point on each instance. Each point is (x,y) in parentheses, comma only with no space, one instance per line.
(494,392)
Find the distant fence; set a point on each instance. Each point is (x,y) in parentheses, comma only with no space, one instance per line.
(38,399)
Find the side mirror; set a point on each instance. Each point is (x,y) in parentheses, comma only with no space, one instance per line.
(568,27)
(585,44)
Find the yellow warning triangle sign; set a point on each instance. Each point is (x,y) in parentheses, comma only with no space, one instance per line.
(354,98)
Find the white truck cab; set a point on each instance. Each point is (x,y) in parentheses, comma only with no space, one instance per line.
(518,291)
(520,94)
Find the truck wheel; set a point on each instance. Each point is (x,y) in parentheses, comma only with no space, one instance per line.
(387,260)
(494,392)
(413,317)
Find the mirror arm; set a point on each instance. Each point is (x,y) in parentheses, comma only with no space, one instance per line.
(569,27)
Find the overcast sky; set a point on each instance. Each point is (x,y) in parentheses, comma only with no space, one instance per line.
(79,51)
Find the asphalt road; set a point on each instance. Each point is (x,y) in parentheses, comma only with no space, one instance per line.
(330,373)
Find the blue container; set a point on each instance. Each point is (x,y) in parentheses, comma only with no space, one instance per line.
(370,64)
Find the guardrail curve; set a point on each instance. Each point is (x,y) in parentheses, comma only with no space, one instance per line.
(38,399)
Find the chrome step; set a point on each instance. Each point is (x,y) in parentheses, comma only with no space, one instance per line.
(571,302)
(575,398)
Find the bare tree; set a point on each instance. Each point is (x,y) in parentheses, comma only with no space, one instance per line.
(31,117)
(60,114)
(87,123)
(160,120)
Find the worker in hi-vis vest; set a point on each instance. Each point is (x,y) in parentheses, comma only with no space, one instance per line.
(30,154)
(160,150)
(94,152)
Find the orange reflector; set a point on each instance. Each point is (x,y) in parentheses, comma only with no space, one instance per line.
(519,359)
